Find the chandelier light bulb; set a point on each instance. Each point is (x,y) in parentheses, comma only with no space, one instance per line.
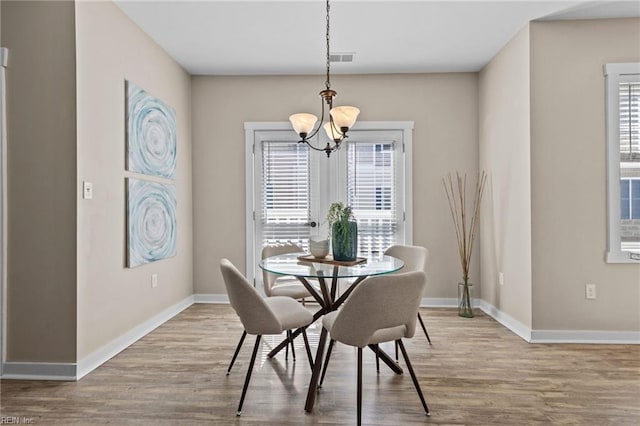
(333,132)
(344,116)
(303,122)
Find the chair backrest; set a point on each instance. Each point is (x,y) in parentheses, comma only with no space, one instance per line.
(414,257)
(254,313)
(268,279)
(380,302)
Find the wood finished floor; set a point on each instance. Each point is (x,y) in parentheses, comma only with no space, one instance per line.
(476,373)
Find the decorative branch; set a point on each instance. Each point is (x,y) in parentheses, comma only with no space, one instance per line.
(466,230)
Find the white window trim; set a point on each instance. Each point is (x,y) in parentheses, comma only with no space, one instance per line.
(615,74)
(250,129)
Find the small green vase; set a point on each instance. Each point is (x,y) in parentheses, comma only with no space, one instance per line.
(344,240)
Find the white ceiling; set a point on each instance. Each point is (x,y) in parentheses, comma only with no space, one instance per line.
(288,37)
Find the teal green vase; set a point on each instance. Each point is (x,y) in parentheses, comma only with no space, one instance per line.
(344,240)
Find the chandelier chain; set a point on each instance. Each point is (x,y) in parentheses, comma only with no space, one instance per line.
(307,125)
(328,82)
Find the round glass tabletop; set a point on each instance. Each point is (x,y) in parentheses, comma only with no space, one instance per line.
(289,264)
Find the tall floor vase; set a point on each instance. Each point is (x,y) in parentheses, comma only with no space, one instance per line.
(465,299)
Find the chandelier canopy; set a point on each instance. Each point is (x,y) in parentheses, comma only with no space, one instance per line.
(341,118)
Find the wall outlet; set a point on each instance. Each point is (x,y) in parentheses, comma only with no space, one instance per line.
(87,190)
(154,280)
(590,291)
(501,278)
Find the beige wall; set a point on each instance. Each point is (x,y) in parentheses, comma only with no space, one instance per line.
(41,179)
(444,108)
(568,177)
(505,234)
(113,299)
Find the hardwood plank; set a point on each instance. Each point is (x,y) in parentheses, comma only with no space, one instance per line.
(475,373)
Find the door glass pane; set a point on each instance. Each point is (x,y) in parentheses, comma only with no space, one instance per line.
(286,200)
(372,193)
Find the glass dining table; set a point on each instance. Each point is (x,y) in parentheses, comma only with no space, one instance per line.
(305,267)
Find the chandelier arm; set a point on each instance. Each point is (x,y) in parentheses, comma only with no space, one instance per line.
(311,146)
(317,129)
(334,131)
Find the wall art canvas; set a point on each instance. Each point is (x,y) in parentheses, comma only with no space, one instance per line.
(151,221)
(151,134)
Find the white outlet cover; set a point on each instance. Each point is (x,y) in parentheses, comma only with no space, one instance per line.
(87,190)
(590,291)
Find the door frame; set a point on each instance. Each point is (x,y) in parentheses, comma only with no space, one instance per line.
(4,55)
(252,130)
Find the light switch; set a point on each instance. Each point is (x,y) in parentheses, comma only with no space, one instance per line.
(87,190)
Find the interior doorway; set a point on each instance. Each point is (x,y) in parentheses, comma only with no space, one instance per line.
(4,53)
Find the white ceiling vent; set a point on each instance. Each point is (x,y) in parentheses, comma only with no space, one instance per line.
(342,57)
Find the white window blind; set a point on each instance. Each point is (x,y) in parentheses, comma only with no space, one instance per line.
(372,192)
(286,200)
(629,101)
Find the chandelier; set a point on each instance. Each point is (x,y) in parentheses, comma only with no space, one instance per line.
(341,118)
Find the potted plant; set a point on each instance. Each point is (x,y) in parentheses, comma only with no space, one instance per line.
(466,224)
(344,232)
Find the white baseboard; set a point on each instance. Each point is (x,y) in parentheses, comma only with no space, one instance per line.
(506,320)
(39,371)
(438,302)
(108,351)
(211,298)
(586,336)
(75,371)
(541,336)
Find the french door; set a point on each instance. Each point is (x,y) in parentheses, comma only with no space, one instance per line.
(290,187)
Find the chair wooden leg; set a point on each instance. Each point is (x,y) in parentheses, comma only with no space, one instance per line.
(308,349)
(413,376)
(326,362)
(424,328)
(396,352)
(377,358)
(246,380)
(359,386)
(235,354)
(293,349)
(286,349)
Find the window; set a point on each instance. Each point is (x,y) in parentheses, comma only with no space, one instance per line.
(623,161)
(289,187)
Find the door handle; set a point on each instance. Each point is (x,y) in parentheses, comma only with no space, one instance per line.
(312,224)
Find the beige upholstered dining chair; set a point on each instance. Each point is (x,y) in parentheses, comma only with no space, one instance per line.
(280,285)
(415,259)
(380,309)
(259,315)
